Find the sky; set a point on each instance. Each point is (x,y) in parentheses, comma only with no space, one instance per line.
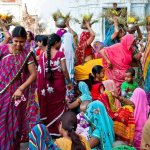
(45,8)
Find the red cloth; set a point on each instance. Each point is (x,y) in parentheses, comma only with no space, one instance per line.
(120,55)
(97,95)
(83,50)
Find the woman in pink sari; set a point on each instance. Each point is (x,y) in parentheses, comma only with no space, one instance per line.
(16,91)
(140,114)
(117,59)
(52,72)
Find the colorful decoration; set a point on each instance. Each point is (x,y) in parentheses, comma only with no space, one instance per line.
(6,19)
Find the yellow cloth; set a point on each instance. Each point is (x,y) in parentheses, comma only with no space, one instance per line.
(146,61)
(65,144)
(82,71)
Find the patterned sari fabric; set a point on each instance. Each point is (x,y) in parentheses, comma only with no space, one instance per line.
(82,49)
(51,94)
(146,71)
(101,125)
(40,139)
(124,124)
(120,55)
(15,121)
(140,114)
(102,97)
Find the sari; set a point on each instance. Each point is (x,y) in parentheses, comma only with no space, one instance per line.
(51,94)
(82,71)
(82,49)
(85,93)
(120,56)
(67,46)
(40,139)
(101,125)
(16,121)
(110,87)
(146,71)
(96,94)
(145,144)
(140,114)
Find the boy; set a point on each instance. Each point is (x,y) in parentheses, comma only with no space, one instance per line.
(129,85)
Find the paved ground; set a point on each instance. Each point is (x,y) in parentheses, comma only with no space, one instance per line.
(24,146)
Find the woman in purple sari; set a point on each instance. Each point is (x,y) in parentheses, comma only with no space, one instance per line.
(52,72)
(17,77)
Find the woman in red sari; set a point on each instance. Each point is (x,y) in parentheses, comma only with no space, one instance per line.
(117,59)
(52,72)
(17,89)
(84,50)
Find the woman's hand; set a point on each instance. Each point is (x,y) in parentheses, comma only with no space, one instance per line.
(70,86)
(17,94)
(67,23)
(87,23)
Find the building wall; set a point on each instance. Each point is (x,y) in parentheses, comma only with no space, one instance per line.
(13,8)
(140,8)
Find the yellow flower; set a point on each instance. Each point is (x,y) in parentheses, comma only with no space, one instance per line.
(131,20)
(3,17)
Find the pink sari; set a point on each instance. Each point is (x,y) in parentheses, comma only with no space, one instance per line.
(110,86)
(15,121)
(120,55)
(140,114)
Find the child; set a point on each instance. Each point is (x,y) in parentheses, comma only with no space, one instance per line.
(98,89)
(83,125)
(70,140)
(129,85)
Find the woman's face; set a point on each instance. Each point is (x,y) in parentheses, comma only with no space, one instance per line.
(58,45)
(28,37)
(39,44)
(19,43)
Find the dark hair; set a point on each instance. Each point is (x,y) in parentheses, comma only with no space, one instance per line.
(131,70)
(69,123)
(95,70)
(53,39)
(19,31)
(31,35)
(37,38)
(43,39)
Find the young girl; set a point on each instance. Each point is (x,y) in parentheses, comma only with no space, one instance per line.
(85,95)
(70,140)
(97,88)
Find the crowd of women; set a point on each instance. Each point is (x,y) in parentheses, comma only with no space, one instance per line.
(70,93)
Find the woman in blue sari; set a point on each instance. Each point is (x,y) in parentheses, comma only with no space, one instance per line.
(101,126)
(40,139)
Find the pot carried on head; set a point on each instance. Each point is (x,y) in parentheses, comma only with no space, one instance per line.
(60,19)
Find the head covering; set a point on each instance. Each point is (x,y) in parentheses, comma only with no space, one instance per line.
(97,45)
(61,32)
(111,87)
(85,93)
(120,55)
(40,139)
(97,116)
(141,108)
(31,34)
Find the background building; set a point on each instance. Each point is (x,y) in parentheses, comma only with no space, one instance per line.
(140,8)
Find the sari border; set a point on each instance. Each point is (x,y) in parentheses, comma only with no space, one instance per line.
(27,57)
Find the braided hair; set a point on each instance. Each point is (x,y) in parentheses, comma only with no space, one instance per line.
(69,123)
(53,39)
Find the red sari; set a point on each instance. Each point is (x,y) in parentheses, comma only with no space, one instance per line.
(97,95)
(83,50)
(120,55)
(51,95)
